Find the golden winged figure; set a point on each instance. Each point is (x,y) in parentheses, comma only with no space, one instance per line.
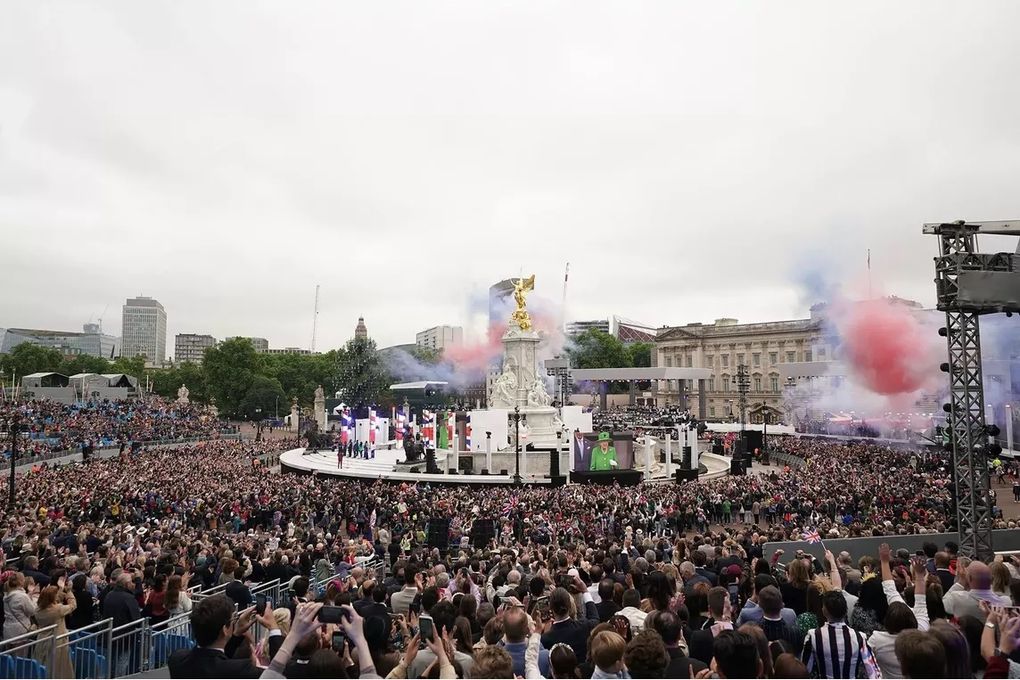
(520,315)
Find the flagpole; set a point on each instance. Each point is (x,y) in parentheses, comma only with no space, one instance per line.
(869,273)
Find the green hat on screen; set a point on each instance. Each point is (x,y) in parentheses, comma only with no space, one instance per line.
(603,436)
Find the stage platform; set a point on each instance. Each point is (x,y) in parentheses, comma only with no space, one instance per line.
(384,466)
(324,462)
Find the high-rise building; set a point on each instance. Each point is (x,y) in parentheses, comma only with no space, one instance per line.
(191,347)
(91,341)
(144,330)
(440,337)
(360,331)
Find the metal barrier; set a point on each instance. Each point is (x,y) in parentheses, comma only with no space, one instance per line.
(129,648)
(28,656)
(168,637)
(215,590)
(85,651)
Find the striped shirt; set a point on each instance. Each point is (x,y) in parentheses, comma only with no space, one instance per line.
(835,650)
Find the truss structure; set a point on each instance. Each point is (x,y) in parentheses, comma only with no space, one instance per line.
(957,258)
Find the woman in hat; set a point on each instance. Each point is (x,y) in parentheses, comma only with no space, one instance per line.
(603,457)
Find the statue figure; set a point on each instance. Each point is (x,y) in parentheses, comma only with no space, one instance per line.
(520,315)
(504,390)
(319,394)
(182,394)
(537,395)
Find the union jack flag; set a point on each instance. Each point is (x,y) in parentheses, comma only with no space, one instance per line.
(812,536)
(511,505)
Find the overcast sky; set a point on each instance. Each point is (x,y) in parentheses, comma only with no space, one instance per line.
(690,160)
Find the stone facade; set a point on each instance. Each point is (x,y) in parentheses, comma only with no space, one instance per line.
(721,347)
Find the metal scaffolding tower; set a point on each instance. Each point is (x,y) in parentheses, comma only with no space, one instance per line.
(969,284)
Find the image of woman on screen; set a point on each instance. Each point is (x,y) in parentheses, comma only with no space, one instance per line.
(604,455)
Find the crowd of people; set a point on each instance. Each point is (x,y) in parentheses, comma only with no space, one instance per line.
(48,426)
(642,417)
(658,580)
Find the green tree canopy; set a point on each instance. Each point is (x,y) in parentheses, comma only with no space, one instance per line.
(359,373)
(261,399)
(230,369)
(27,358)
(597,349)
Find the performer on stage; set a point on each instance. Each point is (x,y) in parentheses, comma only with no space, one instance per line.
(603,457)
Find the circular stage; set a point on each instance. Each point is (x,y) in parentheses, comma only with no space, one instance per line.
(384,466)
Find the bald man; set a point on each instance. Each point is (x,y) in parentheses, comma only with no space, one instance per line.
(973,584)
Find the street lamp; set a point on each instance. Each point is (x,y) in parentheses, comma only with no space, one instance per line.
(13,423)
(258,423)
(517,445)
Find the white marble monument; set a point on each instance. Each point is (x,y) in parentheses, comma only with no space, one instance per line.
(521,384)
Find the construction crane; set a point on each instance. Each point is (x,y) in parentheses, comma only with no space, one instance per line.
(315,317)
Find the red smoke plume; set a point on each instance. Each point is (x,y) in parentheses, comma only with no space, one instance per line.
(890,351)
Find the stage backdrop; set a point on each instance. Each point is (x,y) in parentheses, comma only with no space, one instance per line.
(584,442)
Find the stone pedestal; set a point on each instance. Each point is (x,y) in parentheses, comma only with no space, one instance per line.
(320,410)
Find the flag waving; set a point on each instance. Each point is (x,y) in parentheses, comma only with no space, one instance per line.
(812,536)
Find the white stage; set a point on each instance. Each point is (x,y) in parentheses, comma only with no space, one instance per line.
(324,462)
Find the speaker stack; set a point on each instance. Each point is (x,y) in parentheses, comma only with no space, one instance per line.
(439,533)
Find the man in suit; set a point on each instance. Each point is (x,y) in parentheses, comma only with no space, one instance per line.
(666,624)
(702,640)
(607,607)
(217,640)
(572,632)
(946,577)
(237,591)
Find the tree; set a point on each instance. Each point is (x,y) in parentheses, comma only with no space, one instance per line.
(133,366)
(299,374)
(27,358)
(230,369)
(359,374)
(640,354)
(85,363)
(261,399)
(597,349)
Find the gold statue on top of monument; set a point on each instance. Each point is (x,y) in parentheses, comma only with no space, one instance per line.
(520,315)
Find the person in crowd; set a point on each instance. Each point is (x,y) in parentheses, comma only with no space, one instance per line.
(973,585)
(607,650)
(835,650)
(217,637)
(921,655)
(84,613)
(670,629)
(19,608)
(646,656)
(735,655)
(565,627)
(56,603)
(177,601)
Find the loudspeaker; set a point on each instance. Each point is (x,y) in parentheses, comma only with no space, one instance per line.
(554,463)
(753,439)
(737,466)
(738,447)
(558,480)
(504,472)
(439,532)
(482,533)
(686,464)
(467,465)
(717,447)
(686,475)
(430,462)
(485,471)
